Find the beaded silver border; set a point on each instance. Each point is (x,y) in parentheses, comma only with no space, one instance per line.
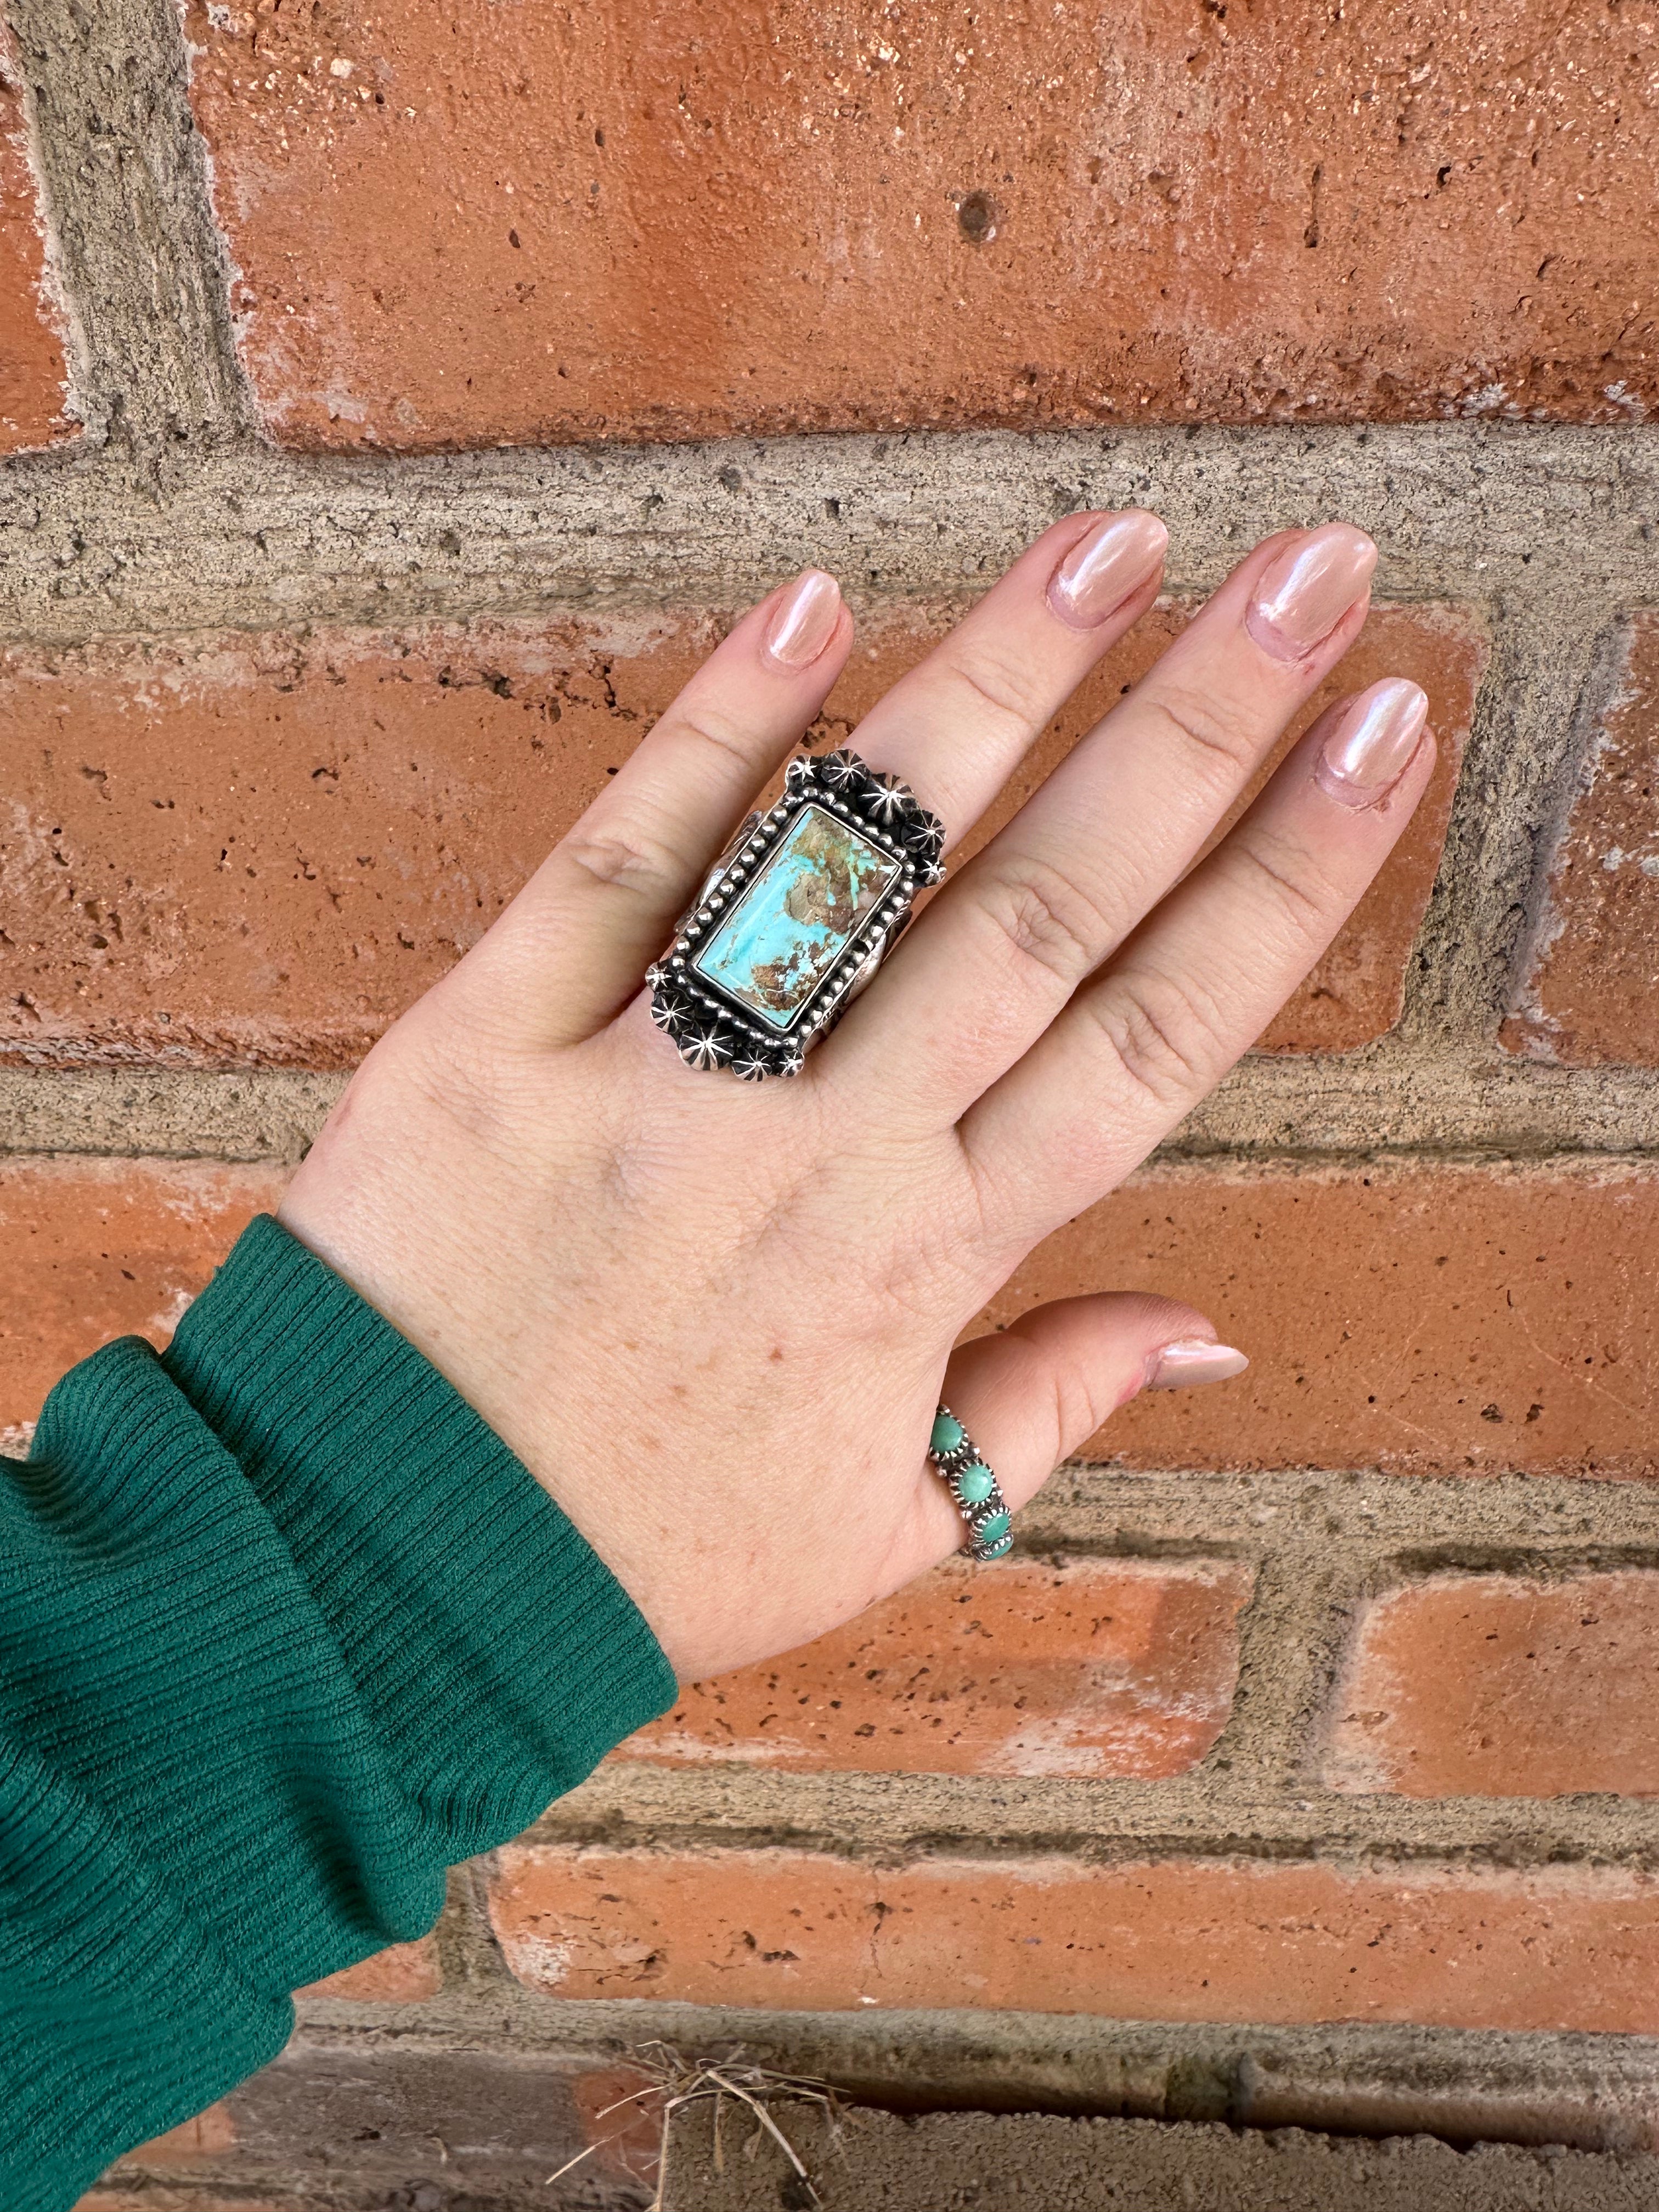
(708,1026)
(953,1465)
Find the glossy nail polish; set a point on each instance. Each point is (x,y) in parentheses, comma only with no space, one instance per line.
(1306,592)
(1371,747)
(1108,562)
(1192,1359)
(804,621)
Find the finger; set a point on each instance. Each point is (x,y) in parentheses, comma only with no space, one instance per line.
(1196,986)
(573,946)
(1122,818)
(958,724)
(1036,1390)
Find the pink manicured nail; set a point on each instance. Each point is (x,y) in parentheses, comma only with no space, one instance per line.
(1192,1359)
(1309,588)
(1371,747)
(1115,558)
(804,621)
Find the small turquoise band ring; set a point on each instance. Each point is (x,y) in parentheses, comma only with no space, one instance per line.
(979,1499)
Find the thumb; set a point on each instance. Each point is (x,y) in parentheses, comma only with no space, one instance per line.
(1035,1391)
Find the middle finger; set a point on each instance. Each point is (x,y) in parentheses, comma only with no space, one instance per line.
(1000,952)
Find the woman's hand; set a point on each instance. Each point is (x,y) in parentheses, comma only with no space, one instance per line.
(713,1318)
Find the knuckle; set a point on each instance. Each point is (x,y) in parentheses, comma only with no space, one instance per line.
(1220,746)
(1010,692)
(1065,1383)
(702,723)
(1078,1410)
(1048,922)
(1165,1041)
(624,857)
(1292,885)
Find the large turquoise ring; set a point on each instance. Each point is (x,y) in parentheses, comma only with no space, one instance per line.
(798,913)
(978,1496)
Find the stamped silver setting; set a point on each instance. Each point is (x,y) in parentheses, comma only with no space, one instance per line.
(798,913)
(975,1490)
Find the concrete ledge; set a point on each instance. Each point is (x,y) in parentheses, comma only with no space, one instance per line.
(877,2162)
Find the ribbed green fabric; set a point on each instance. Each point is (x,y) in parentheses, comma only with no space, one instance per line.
(285,1631)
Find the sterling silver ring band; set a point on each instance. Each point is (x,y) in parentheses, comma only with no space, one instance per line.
(978,1494)
(796,916)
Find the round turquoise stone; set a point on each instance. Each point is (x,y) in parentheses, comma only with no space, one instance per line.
(974,1485)
(949,1436)
(992,1530)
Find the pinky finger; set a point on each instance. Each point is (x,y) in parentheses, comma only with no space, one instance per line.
(1033,1392)
(1193,989)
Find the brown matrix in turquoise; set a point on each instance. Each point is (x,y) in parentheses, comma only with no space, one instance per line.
(797,918)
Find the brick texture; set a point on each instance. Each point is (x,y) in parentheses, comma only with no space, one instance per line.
(1177,1938)
(403,1974)
(258,853)
(1433,1320)
(1085,1668)
(92,1249)
(32,373)
(519,224)
(1587,996)
(207,2136)
(1490,1685)
(1525,1351)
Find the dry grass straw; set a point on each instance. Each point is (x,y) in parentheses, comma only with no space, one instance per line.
(676,2082)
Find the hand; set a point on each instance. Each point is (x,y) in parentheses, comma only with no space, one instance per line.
(713,1318)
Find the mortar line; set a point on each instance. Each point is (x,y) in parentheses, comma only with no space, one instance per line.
(202,539)
(543,2024)
(1104,1825)
(1532,718)
(144,271)
(1292,1635)
(1388,1102)
(1386,2078)
(1602,678)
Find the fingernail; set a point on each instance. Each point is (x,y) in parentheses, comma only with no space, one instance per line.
(1101,570)
(1192,1359)
(804,621)
(1371,747)
(1306,592)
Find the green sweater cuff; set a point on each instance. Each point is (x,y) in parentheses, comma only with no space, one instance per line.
(501,1656)
(285,1631)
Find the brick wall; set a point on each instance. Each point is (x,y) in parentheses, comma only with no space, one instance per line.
(397,403)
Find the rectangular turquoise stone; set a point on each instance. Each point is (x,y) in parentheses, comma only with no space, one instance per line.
(797,918)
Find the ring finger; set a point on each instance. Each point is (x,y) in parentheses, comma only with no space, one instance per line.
(1118,823)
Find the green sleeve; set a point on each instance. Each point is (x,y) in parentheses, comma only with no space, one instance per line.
(285,1631)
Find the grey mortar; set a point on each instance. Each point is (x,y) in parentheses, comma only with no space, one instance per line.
(1322,1543)
(978,2162)
(173,514)
(349,2115)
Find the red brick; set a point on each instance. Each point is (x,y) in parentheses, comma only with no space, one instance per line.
(259,852)
(1427,1321)
(1091,1666)
(403,1974)
(621,2113)
(1587,997)
(1487,1686)
(33,373)
(1179,1939)
(475,227)
(205,2136)
(92,1249)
